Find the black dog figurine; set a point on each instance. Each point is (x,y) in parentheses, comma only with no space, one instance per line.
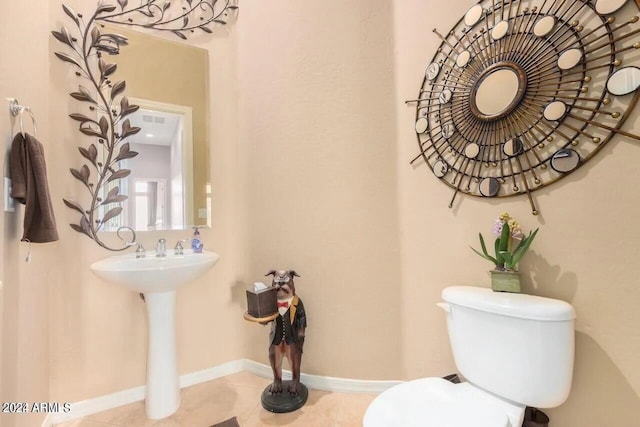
(287,332)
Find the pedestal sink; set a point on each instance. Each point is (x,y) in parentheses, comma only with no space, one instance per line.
(158,278)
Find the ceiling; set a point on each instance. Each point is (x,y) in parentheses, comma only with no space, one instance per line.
(158,127)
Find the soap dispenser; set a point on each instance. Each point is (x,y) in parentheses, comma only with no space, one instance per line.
(196,243)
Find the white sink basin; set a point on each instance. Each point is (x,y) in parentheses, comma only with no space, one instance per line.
(158,279)
(153,274)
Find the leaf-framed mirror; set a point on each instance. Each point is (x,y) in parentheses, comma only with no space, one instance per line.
(152,115)
(174,141)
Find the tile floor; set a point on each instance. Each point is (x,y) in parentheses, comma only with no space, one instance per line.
(237,395)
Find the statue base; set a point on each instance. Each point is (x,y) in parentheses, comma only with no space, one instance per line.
(284,402)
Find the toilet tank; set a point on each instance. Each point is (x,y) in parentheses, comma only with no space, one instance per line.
(520,347)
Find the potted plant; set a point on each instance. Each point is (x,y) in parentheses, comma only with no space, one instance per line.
(510,246)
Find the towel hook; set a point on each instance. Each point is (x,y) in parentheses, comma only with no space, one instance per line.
(14,106)
(18,110)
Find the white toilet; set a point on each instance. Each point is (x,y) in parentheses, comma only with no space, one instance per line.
(514,350)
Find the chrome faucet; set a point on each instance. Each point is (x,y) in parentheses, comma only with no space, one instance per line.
(179,249)
(161,248)
(140,252)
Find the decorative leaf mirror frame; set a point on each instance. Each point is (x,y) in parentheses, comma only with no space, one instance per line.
(105,106)
(521,93)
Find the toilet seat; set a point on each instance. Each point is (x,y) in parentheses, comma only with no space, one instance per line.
(433,402)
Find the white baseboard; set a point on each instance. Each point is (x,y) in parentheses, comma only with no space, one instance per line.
(98,404)
(317,382)
(210,374)
(110,401)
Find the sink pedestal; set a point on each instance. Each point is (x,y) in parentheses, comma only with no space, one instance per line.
(163,387)
(158,278)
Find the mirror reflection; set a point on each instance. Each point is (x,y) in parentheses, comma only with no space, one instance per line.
(445,96)
(624,81)
(472,150)
(161,183)
(432,71)
(512,147)
(473,15)
(497,91)
(569,59)
(463,59)
(489,187)
(448,130)
(555,111)
(605,7)
(440,169)
(169,184)
(544,26)
(565,160)
(500,30)
(422,124)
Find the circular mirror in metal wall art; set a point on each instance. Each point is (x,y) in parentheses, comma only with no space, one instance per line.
(522,92)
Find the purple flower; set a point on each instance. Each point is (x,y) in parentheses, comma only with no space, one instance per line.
(497,226)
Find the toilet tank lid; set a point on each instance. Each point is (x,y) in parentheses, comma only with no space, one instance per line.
(509,304)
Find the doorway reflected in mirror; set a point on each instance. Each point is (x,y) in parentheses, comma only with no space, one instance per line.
(161,179)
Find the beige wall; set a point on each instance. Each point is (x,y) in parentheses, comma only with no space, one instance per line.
(585,252)
(309,159)
(317,121)
(24,74)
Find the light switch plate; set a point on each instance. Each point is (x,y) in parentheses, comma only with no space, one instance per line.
(9,203)
(202,213)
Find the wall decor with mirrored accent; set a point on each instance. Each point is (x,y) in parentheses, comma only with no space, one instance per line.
(106,115)
(521,93)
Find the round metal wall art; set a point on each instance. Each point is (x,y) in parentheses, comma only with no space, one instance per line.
(521,93)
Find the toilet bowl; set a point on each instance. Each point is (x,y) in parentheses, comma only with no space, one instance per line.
(514,350)
(436,402)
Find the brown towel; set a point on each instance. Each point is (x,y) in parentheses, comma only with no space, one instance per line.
(29,187)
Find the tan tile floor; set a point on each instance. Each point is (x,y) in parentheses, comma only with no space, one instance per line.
(237,395)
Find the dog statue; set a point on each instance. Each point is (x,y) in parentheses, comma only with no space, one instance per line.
(287,331)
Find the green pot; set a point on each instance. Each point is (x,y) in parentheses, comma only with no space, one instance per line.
(505,281)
